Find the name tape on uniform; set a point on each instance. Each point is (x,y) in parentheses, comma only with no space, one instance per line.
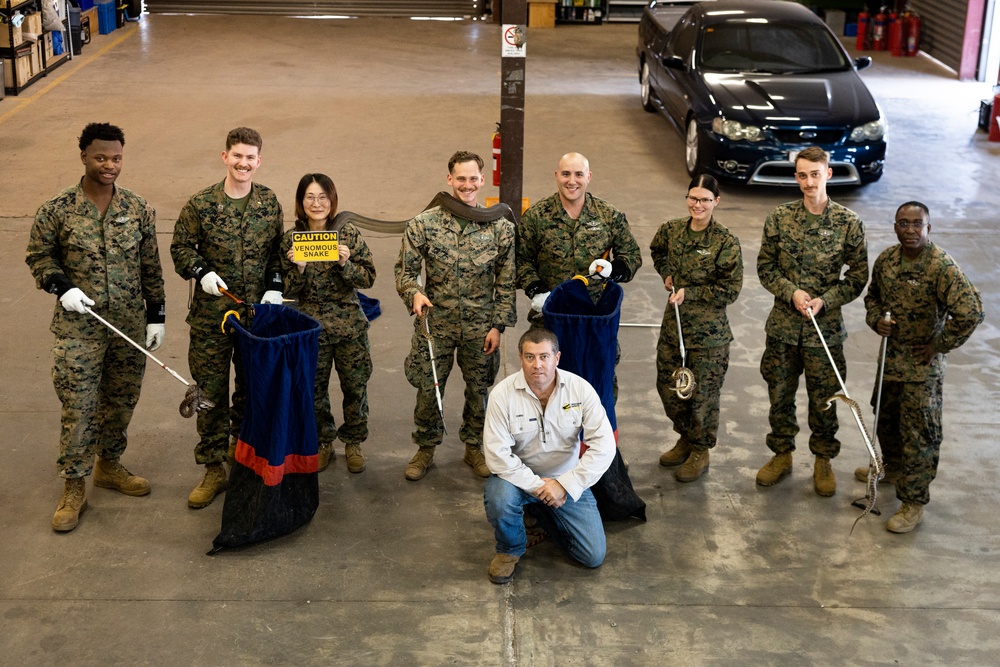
(315,246)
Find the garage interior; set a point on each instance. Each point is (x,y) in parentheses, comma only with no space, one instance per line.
(392,572)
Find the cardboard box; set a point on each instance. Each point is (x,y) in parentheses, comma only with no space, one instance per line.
(47,46)
(32,23)
(542,13)
(36,59)
(5,35)
(21,65)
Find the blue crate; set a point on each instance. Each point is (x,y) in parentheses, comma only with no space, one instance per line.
(85,4)
(106,22)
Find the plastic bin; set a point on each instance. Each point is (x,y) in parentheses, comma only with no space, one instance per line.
(106,22)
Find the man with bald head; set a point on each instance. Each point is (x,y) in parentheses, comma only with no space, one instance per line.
(572,233)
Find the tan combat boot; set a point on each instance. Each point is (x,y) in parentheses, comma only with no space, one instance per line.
(355,458)
(906,518)
(823,480)
(677,455)
(73,502)
(419,464)
(474,458)
(775,470)
(325,455)
(861,474)
(211,485)
(111,474)
(694,467)
(502,568)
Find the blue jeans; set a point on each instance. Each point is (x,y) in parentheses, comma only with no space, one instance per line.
(576,525)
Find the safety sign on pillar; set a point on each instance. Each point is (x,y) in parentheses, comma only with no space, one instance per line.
(513,56)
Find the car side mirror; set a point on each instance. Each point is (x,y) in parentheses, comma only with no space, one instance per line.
(675,62)
(864,62)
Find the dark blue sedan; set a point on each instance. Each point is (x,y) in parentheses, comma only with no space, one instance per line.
(750,83)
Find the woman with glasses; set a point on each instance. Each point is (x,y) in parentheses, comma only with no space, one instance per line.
(702,269)
(327,291)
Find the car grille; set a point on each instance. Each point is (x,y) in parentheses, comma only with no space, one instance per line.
(811,137)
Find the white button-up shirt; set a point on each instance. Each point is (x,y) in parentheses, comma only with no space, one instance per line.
(522,444)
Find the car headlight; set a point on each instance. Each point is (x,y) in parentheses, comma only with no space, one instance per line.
(871,131)
(735,130)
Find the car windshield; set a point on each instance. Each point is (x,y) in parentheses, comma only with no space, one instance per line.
(756,45)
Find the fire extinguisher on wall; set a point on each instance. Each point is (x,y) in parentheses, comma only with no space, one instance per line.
(862,41)
(912,28)
(496,156)
(878,31)
(896,45)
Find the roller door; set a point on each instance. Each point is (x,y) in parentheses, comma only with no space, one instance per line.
(403,8)
(943,31)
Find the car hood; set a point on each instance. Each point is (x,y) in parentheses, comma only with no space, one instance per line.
(830,98)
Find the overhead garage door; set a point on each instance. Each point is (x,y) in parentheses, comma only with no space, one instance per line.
(943,31)
(405,8)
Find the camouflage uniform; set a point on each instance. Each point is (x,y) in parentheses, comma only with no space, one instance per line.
(552,247)
(212,235)
(708,265)
(797,253)
(932,302)
(470,281)
(328,293)
(115,260)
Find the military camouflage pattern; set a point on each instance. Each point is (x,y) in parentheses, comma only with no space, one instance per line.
(796,254)
(115,261)
(695,420)
(242,248)
(709,267)
(328,293)
(781,366)
(470,281)
(478,370)
(552,247)
(932,302)
(469,275)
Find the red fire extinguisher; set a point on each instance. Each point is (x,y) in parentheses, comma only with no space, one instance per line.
(496,156)
(862,41)
(878,31)
(913,24)
(896,45)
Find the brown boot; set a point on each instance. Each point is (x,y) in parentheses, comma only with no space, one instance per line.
(891,476)
(695,466)
(111,474)
(214,483)
(677,455)
(355,458)
(908,517)
(324,456)
(73,502)
(419,464)
(474,458)
(775,470)
(502,568)
(823,480)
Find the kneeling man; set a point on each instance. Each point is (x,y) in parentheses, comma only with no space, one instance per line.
(532,447)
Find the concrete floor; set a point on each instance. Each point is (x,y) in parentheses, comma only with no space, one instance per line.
(392,572)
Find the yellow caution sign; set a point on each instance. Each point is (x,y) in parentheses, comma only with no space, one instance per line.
(315,246)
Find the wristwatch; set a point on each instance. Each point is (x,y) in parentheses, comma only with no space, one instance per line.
(500,327)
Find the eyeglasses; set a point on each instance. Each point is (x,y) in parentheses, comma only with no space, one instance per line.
(309,199)
(703,200)
(915,226)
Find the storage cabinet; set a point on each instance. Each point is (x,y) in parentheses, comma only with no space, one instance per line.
(24,62)
(581,11)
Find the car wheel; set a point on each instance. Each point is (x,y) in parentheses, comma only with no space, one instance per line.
(691,140)
(645,93)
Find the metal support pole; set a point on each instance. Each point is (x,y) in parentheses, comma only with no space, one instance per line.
(514,19)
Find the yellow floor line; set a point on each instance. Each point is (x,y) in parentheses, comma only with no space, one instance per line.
(25,102)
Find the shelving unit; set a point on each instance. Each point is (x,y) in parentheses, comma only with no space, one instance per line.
(25,62)
(581,11)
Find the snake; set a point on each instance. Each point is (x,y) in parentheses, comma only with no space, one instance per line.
(442,199)
(683,383)
(876,469)
(193,402)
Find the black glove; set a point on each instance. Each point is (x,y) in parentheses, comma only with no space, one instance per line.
(536,287)
(619,271)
